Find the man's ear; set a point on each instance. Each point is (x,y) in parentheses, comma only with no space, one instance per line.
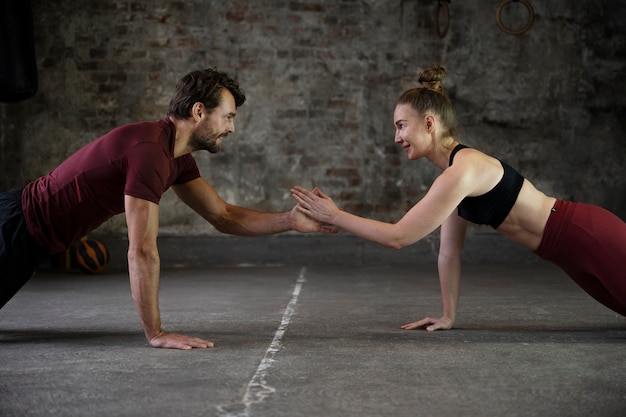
(198,111)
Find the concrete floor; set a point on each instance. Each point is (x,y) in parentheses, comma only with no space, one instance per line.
(314,341)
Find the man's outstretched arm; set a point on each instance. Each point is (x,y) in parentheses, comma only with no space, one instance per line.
(227,218)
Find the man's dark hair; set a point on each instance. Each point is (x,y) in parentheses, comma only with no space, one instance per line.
(204,86)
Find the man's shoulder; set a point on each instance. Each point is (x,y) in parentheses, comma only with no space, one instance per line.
(148,131)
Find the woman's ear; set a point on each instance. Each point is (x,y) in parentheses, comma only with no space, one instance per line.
(429,122)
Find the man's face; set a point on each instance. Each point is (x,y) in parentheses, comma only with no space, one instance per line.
(215,125)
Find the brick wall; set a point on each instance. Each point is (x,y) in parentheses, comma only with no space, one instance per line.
(321,78)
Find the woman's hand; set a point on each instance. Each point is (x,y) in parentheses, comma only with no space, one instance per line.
(315,204)
(433,324)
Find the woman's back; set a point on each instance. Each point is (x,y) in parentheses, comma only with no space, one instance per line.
(523,218)
(527,219)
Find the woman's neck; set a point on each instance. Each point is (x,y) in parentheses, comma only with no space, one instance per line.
(442,150)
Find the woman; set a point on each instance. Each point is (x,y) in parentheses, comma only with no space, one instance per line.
(587,242)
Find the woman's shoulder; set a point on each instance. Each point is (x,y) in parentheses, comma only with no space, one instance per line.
(467,157)
(480,170)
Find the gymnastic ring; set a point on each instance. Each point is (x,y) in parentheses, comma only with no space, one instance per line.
(446,11)
(531,17)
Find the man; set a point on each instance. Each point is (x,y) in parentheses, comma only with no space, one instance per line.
(128,170)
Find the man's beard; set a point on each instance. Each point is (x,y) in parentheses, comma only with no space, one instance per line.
(213,144)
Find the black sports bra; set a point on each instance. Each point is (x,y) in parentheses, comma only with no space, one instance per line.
(492,207)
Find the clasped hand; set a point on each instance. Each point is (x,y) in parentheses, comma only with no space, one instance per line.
(315,204)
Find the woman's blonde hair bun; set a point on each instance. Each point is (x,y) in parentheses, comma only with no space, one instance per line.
(432,77)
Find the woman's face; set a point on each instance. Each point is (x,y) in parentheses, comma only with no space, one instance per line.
(411,133)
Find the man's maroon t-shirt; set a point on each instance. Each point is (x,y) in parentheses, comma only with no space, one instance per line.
(89,187)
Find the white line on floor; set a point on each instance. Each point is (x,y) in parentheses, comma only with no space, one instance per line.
(258,389)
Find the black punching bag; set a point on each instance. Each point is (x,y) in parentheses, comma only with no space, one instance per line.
(18,69)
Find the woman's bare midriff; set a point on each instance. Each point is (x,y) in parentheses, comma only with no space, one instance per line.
(528,217)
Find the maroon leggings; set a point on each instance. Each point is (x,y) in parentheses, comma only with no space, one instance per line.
(589,244)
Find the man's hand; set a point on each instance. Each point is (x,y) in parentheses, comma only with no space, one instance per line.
(305,224)
(178,341)
(433,324)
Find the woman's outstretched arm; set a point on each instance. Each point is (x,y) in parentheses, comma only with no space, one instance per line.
(422,219)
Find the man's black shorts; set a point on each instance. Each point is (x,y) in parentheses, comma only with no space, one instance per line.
(19,253)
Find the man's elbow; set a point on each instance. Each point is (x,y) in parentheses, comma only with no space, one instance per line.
(224,225)
(143,254)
